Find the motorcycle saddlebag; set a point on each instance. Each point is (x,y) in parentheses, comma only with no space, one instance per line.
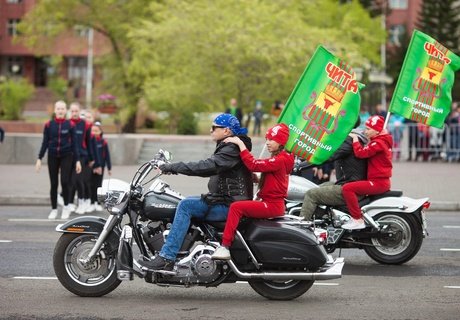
(159,206)
(276,244)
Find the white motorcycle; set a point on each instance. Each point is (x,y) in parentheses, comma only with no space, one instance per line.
(395,224)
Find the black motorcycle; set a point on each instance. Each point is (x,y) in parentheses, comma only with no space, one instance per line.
(280,258)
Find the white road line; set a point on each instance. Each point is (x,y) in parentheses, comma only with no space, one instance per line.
(35,278)
(452,287)
(315,284)
(450,249)
(35,220)
(451,227)
(6,241)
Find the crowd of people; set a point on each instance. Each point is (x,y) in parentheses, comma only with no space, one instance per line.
(77,156)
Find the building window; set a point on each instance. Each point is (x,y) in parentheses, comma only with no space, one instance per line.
(396,34)
(76,70)
(398,4)
(12,26)
(13,1)
(15,66)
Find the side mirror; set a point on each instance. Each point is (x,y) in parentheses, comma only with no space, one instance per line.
(166,155)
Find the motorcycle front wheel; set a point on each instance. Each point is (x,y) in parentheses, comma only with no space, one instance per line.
(281,290)
(93,279)
(402,241)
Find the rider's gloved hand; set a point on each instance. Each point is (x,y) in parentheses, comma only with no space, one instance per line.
(166,168)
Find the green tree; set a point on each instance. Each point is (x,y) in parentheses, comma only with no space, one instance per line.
(113,19)
(206,52)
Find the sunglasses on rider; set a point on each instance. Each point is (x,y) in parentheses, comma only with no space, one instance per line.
(213,128)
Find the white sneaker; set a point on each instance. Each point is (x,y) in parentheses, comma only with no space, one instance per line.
(71,207)
(90,208)
(65,213)
(60,200)
(81,209)
(221,253)
(53,214)
(98,207)
(354,224)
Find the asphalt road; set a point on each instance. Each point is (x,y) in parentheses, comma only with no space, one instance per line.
(428,287)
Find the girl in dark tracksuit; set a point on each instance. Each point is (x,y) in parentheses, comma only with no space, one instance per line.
(60,141)
(101,155)
(273,185)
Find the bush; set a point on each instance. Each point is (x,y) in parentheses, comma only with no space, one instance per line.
(187,124)
(13,96)
(58,86)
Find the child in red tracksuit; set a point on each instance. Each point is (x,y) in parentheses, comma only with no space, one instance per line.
(273,185)
(379,166)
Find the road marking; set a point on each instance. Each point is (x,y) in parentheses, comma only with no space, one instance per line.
(35,220)
(449,249)
(451,227)
(35,278)
(6,241)
(316,283)
(452,287)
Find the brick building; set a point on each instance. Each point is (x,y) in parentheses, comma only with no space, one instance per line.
(17,60)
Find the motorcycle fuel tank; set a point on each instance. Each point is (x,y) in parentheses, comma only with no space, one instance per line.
(279,244)
(298,186)
(159,206)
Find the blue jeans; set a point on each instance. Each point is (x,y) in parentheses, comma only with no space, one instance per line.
(188,208)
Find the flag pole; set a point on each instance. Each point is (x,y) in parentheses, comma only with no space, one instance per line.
(387,119)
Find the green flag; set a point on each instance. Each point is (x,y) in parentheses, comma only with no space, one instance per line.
(423,91)
(322,108)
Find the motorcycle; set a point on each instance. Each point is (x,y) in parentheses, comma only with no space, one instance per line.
(280,258)
(395,224)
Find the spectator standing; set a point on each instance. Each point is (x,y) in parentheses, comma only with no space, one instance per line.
(258,115)
(453,122)
(396,125)
(82,181)
(100,150)
(2,135)
(60,140)
(235,110)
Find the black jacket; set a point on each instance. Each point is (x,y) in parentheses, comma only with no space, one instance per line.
(229,181)
(349,168)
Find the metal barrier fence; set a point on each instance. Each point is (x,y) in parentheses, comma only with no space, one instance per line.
(418,142)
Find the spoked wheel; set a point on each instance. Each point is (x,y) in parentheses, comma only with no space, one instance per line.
(401,242)
(281,290)
(92,279)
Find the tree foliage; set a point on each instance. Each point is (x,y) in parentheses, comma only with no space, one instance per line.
(114,19)
(195,55)
(441,20)
(206,52)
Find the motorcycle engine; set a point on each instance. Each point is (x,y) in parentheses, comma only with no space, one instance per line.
(198,266)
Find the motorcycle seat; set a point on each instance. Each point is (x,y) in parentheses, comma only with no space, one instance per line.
(369,199)
(391,193)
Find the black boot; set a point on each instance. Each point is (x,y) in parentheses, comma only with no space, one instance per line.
(158,263)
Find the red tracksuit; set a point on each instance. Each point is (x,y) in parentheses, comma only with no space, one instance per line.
(379,167)
(273,190)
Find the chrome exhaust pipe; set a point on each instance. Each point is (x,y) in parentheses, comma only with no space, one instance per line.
(333,272)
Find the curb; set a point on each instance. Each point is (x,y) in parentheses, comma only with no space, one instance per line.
(45,201)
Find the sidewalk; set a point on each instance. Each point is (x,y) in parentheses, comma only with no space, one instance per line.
(21,185)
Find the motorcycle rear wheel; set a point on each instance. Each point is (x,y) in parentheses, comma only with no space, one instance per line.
(93,280)
(281,290)
(403,245)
